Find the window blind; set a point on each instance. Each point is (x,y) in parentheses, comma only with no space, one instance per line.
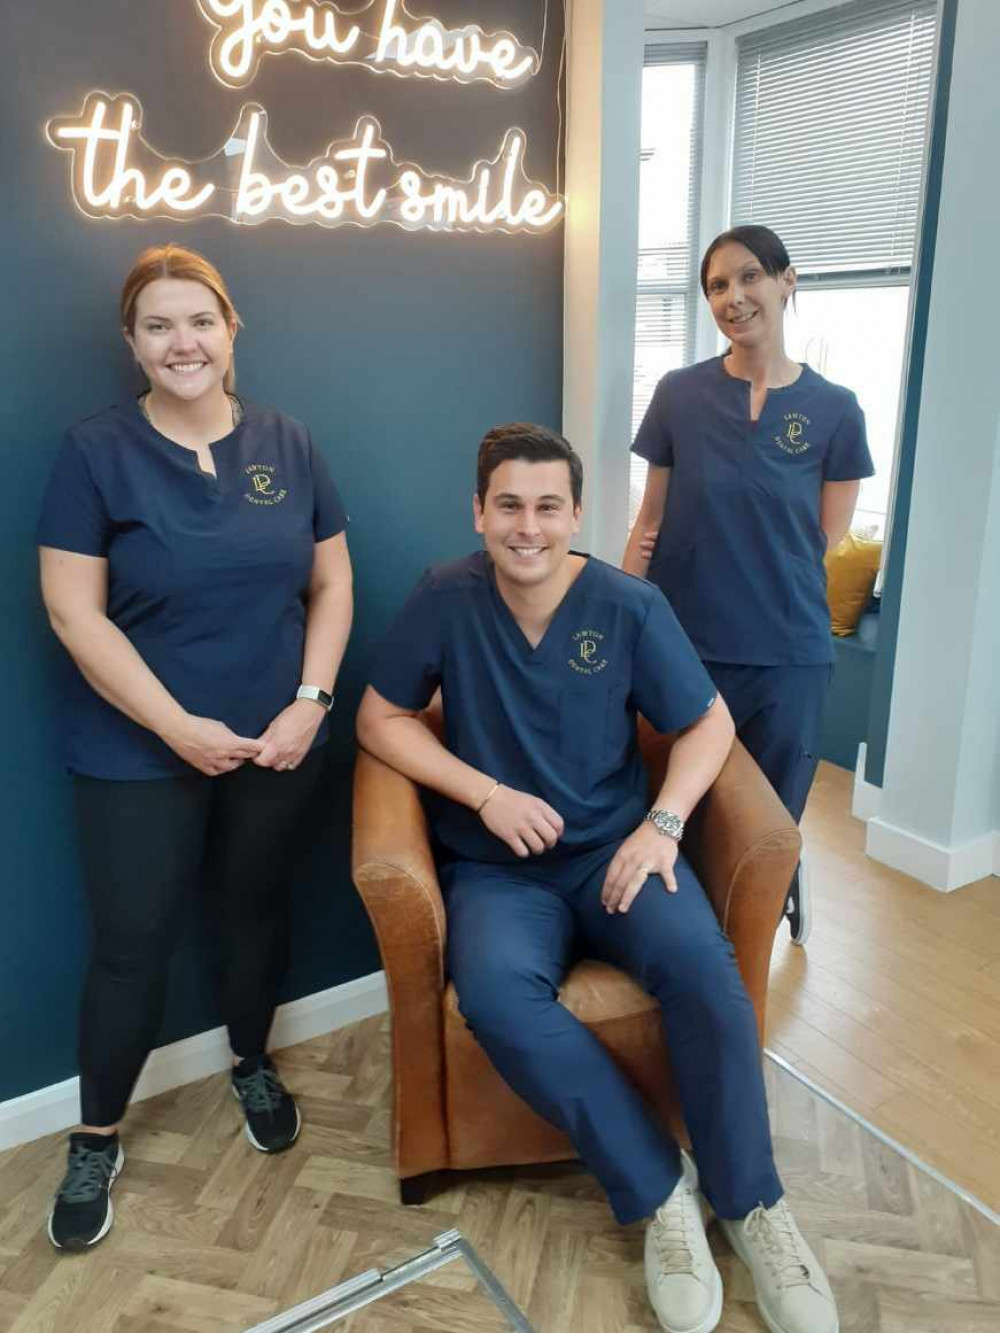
(831,126)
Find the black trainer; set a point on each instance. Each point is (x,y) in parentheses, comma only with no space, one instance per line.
(273,1120)
(798,905)
(82,1212)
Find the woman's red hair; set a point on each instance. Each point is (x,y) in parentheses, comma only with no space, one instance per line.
(177,261)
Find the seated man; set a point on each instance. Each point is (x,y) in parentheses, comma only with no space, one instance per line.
(544,657)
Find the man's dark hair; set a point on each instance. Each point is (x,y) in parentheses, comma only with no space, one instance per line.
(533,444)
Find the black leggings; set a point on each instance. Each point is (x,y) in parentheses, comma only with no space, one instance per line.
(147,849)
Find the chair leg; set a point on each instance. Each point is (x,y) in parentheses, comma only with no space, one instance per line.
(414,1190)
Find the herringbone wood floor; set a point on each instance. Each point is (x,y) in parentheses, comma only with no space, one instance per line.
(212,1237)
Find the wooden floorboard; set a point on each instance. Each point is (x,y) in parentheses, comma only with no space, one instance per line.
(211,1237)
(893,1006)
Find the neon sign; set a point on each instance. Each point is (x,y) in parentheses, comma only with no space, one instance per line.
(247,30)
(116,173)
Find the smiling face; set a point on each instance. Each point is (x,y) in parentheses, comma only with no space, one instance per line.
(181,338)
(527,520)
(747,303)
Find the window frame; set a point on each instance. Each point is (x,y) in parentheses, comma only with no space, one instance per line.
(718,153)
(691,290)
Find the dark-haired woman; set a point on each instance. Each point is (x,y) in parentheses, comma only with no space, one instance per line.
(755,463)
(194,564)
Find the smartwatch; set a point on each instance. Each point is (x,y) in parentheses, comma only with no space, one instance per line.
(317,695)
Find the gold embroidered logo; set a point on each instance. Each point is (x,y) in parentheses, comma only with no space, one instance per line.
(586,658)
(790,440)
(263,490)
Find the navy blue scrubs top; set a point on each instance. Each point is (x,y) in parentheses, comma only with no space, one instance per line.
(740,551)
(207,576)
(558,720)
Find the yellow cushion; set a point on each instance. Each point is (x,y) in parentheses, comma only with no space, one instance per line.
(851,569)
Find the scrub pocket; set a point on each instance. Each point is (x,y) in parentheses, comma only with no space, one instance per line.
(587,731)
(797,781)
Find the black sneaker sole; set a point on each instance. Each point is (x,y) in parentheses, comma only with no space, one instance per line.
(77,1244)
(283,1147)
(798,925)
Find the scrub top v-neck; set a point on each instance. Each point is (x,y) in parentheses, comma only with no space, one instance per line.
(558,720)
(158,440)
(207,575)
(535,655)
(740,549)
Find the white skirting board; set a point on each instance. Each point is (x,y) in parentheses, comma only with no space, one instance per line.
(943,868)
(58,1106)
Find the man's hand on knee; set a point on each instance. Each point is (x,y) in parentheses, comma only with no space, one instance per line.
(525,823)
(645,852)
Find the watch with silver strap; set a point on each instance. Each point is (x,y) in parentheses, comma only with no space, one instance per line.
(667,823)
(317,695)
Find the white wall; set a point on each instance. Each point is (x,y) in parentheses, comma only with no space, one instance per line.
(976,805)
(939,809)
(604,101)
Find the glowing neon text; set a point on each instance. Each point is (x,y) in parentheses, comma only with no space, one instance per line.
(117,174)
(250,29)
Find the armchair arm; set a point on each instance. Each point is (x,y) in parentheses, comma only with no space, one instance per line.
(394,872)
(744,847)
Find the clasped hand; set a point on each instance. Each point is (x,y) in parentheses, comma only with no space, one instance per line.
(286,741)
(213,749)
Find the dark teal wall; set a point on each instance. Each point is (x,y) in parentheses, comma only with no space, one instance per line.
(845,719)
(398,349)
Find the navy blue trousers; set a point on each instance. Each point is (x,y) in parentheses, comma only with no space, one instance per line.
(778,712)
(513,933)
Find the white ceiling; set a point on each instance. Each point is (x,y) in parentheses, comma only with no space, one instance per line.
(704,13)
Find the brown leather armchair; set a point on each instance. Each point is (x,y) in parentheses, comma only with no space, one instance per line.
(451,1108)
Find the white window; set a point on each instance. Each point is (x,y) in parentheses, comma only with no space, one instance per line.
(669,179)
(857,336)
(831,124)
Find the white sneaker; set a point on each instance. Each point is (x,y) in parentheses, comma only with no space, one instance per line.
(792,1292)
(684,1285)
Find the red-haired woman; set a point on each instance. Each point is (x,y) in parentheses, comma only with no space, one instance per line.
(194,564)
